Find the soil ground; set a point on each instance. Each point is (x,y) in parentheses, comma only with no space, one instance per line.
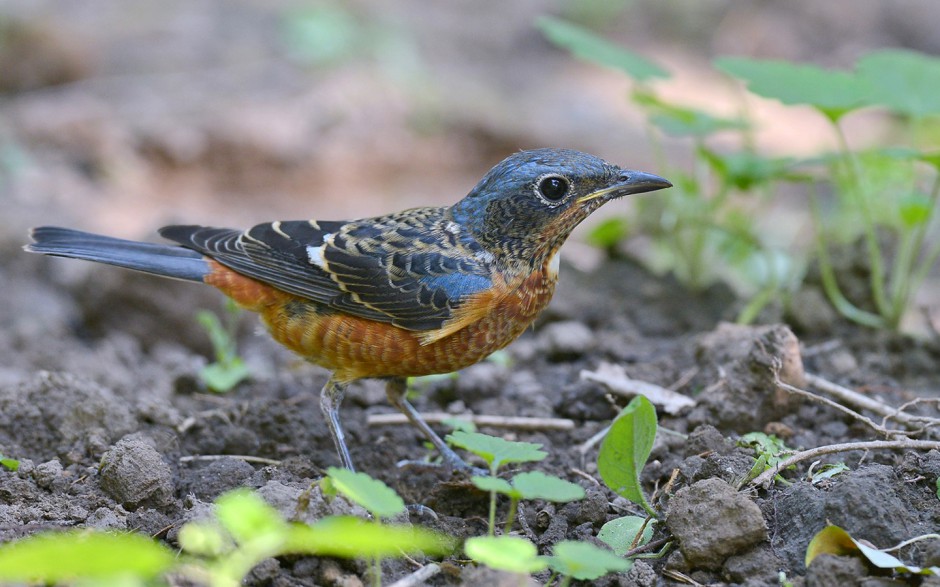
(101,402)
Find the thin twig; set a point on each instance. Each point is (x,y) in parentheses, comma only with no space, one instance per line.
(246,458)
(516,422)
(862,401)
(826,401)
(763,480)
(418,577)
(648,547)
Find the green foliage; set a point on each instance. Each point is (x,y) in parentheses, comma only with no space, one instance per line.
(826,472)
(376,497)
(7,462)
(589,47)
(625,450)
(531,485)
(505,553)
(704,228)
(247,531)
(876,189)
(836,541)
(584,561)
(497,451)
(769,449)
(626,533)
(58,557)
(834,93)
(229,369)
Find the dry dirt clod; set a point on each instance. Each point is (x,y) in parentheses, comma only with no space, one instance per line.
(712,521)
(135,474)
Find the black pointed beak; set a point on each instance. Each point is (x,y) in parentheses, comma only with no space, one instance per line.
(638,182)
(629,182)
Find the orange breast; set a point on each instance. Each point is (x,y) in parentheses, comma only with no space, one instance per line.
(355,347)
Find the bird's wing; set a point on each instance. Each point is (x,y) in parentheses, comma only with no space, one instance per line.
(404,269)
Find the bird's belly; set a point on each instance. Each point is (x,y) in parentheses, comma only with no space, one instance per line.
(355,347)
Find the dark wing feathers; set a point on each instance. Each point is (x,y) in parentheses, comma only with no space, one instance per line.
(404,269)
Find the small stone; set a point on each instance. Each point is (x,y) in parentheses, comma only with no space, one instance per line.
(106,519)
(46,474)
(135,474)
(565,340)
(712,521)
(828,569)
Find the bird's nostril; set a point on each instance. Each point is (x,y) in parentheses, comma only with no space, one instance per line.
(624,176)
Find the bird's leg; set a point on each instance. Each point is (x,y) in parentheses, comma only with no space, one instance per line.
(395,389)
(331,396)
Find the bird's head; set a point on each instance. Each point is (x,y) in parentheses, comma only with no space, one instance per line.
(528,204)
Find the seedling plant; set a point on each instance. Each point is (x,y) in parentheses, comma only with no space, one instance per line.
(716,216)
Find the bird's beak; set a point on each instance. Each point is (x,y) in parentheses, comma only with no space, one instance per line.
(629,182)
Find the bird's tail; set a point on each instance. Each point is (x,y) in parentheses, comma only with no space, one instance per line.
(165,260)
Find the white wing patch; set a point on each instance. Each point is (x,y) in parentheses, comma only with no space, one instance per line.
(315,254)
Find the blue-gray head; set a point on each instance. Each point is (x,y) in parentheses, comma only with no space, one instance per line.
(528,204)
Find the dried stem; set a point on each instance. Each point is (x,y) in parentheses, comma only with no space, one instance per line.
(764,479)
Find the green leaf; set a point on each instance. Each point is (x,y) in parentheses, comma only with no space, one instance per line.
(584,561)
(834,93)
(351,537)
(505,553)
(906,82)
(607,233)
(497,451)
(915,209)
(589,47)
(247,517)
(828,472)
(204,539)
(745,170)
(620,534)
(938,487)
(11,464)
(495,484)
(767,445)
(222,377)
(626,448)
(373,495)
(538,485)
(69,556)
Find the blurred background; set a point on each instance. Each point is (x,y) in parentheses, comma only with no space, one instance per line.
(124,115)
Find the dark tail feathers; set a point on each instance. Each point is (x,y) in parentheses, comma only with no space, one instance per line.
(164,260)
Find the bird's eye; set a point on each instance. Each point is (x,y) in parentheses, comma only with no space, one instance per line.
(553,187)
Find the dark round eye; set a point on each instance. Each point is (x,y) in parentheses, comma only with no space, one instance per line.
(553,187)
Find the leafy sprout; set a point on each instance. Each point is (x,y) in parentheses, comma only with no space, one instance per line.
(376,497)
(625,450)
(584,561)
(11,464)
(228,369)
(530,485)
(84,555)
(497,451)
(505,553)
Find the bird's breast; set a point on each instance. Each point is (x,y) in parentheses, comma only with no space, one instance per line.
(354,347)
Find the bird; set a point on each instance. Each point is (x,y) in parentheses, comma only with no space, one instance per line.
(423,291)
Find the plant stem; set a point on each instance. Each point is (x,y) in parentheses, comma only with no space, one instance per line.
(875,258)
(513,504)
(764,478)
(829,282)
(492,519)
(376,572)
